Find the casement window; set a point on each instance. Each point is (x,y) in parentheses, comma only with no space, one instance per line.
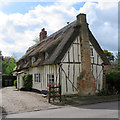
(46,55)
(50,79)
(91,52)
(37,78)
(33,60)
(25,61)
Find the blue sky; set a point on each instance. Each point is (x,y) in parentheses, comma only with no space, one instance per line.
(22,7)
(21,22)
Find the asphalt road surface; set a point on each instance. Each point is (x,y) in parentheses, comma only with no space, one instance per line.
(101,110)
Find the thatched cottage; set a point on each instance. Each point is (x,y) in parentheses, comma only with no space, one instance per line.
(70,57)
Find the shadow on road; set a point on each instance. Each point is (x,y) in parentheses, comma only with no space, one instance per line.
(105,105)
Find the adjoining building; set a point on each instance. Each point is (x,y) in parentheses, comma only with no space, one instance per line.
(70,57)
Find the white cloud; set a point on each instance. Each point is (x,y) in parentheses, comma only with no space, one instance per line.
(3,2)
(102,18)
(43,16)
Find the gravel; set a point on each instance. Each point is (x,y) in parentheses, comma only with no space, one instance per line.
(14,101)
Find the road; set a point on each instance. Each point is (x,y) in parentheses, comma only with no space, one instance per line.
(101,110)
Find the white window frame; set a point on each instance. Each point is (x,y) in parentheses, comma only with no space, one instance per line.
(50,79)
(37,78)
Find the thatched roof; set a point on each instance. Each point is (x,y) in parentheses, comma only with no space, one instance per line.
(52,49)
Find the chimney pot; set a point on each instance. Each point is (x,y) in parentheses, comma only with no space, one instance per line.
(81,18)
(43,34)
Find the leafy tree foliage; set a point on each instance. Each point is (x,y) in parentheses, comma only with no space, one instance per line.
(36,40)
(15,83)
(28,82)
(118,58)
(8,64)
(113,81)
(116,62)
(109,55)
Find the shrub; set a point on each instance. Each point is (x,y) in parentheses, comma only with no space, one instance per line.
(113,81)
(28,82)
(15,83)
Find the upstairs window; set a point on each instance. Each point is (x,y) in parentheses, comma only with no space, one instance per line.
(33,60)
(25,61)
(91,52)
(46,55)
(42,56)
(37,78)
(50,79)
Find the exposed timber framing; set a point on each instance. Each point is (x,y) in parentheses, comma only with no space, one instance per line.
(68,78)
(72,62)
(78,46)
(56,73)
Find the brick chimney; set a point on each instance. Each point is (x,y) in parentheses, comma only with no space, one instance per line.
(43,34)
(86,80)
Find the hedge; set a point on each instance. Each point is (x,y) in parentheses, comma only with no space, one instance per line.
(15,83)
(113,81)
(28,82)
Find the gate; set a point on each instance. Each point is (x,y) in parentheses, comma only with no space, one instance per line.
(54,93)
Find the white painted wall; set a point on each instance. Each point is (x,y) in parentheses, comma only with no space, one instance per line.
(44,70)
(97,69)
(74,57)
(20,81)
(72,66)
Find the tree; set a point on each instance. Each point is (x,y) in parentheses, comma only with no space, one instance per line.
(113,81)
(8,64)
(36,40)
(14,56)
(109,55)
(28,82)
(117,62)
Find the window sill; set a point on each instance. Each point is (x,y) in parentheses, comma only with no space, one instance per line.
(36,82)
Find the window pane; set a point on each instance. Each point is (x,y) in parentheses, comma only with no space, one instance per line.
(50,78)
(91,51)
(39,77)
(34,77)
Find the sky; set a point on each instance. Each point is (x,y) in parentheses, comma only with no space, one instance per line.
(21,21)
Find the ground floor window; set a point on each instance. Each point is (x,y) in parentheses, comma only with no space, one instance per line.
(50,79)
(37,78)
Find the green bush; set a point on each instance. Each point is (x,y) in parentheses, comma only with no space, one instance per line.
(15,83)
(28,82)
(113,81)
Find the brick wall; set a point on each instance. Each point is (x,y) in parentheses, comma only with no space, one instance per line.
(86,80)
